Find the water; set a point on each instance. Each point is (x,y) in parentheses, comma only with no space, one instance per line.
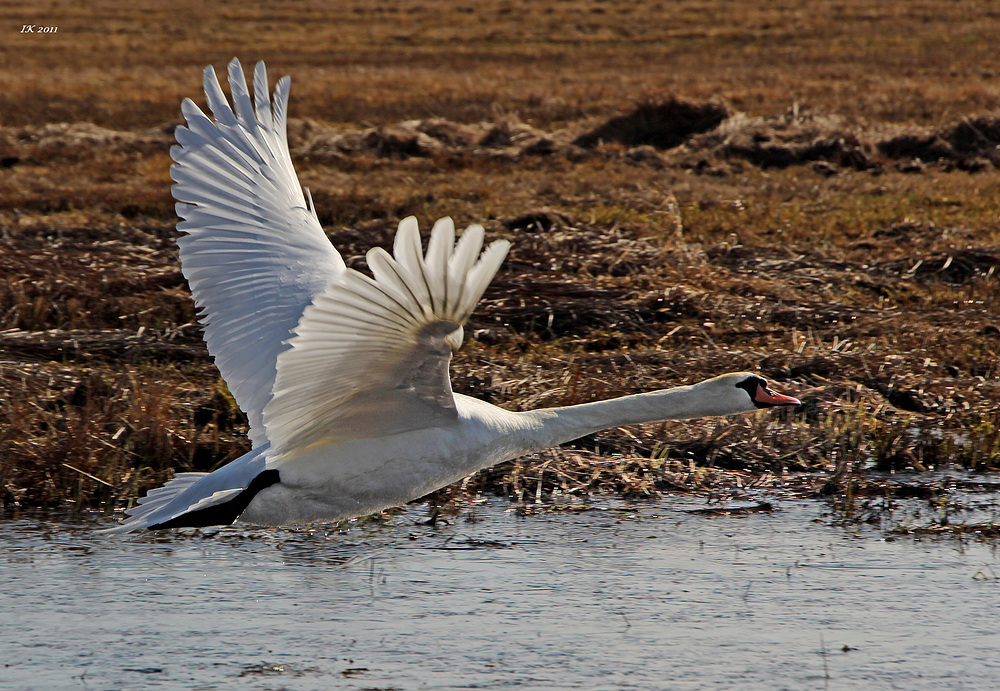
(633,597)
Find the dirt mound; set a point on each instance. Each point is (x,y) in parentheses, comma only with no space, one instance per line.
(977,136)
(970,144)
(422,138)
(77,140)
(399,142)
(403,140)
(698,136)
(829,144)
(925,147)
(661,124)
(791,139)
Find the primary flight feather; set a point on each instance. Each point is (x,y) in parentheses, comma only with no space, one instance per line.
(344,377)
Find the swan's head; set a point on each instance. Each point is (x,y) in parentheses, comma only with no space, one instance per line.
(747,391)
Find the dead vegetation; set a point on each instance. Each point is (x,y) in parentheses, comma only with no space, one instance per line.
(552,63)
(827,218)
(699,136)
(116,390)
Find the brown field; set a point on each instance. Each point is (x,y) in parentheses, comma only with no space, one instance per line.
(805,189)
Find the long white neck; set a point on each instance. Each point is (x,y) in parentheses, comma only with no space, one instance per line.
(551,426)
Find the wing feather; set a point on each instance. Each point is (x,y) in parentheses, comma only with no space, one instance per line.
(252,249)
(308,348)
(261,99)
(370,356)
(438,253)
(406,250)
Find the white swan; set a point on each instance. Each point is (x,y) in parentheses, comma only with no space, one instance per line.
(344,378)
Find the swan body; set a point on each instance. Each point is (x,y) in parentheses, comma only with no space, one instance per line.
(344,377)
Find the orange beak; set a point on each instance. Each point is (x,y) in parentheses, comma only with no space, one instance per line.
(767,398)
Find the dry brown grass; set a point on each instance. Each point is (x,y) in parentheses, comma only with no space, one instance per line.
(126,66)
(847,246)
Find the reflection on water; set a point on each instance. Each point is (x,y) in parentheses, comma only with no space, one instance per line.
(629,597)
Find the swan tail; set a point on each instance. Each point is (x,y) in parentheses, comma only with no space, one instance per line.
(200,499)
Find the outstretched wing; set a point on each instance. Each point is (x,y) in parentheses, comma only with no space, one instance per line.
(370,356)
(253,251)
